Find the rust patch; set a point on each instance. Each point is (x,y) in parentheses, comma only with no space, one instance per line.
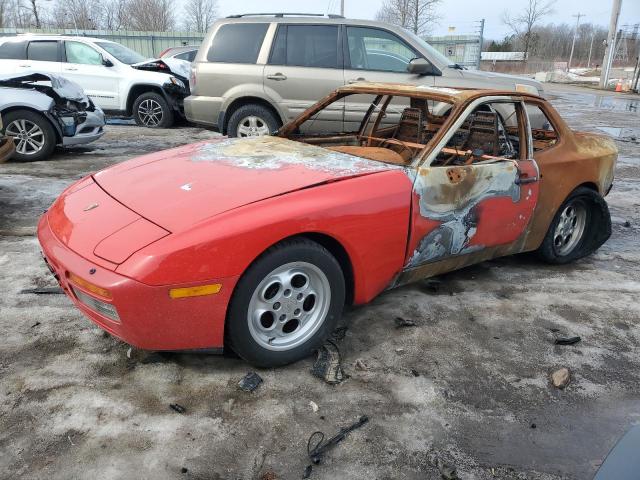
(456,174)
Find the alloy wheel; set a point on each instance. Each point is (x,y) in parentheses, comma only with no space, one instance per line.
(150,112)
(570,228)
(28,136)
(289,306)
(253,126)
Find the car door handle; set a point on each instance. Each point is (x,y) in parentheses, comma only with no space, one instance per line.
(71,69)
(524,179)
(277,77)
(356,80)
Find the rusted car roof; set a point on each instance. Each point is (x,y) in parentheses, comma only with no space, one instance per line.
(445,94)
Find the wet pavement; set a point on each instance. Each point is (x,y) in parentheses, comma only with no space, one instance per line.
(469,384)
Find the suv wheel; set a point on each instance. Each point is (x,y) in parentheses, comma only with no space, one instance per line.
(152,110)
(252,121)
(32,134)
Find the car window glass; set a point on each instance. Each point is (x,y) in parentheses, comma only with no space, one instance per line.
(13,51)
(44,51)
(237,43)
(279,49)
(188,56)
(312,46)
(491,130)
(80,53)
(122,53)
(373,49)
(542,131)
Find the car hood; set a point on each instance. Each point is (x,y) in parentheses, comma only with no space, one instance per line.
(52,85)
(170,66)
(178,188)
(495,80)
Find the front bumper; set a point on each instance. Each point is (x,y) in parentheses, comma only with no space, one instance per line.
(88,131)
(148,318)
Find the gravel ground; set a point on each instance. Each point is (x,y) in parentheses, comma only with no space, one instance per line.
(468,385)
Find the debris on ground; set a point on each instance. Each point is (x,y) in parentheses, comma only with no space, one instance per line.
(328,365)
(339,333)
(360,364)
(35,324)
(561,377)
(448,472)
(567,340)
(404,322)
(129,352)
(317,447)
(250,382)
(184,470)
(176,407)
(399,351)
(43,290)
(269,475)
(314,406)
(627,224)
(415,372)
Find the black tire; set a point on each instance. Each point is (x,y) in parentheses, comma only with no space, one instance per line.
(265,116)
(152,100)
(48,134)
(596,231)
(238,334)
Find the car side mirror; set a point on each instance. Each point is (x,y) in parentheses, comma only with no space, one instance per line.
(106,62)
(420,66)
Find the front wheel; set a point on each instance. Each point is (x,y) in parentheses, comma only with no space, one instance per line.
(33,135)
(286,304)
(152,110)
(581,225)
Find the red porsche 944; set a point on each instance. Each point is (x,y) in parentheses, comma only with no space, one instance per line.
(256,244)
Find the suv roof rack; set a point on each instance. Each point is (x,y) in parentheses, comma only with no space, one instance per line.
(283,14)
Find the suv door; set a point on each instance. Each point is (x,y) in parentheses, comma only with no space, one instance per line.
(12,54)
(84,65)
(377,55)
(305,65)
(43,56)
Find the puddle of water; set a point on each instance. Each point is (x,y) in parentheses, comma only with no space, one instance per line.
(621,133)
(618,104)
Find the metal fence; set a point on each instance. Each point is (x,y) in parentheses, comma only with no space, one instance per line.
(149,44)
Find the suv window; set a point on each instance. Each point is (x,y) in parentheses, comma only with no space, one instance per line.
(80,53)
(44,51)
(374,49)
(306,46)
(237,43)
(188,56)
(13,50)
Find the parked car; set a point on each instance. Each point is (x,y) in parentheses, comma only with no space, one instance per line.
(186,53)
(41,111)
(6,146)
(253,73)
(260,242)
(117,79)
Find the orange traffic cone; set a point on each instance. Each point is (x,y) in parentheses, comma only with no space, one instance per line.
(619,86)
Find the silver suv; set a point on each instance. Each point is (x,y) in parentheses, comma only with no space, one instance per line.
(255,72)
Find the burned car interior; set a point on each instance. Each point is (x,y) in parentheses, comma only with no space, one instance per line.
(396,129)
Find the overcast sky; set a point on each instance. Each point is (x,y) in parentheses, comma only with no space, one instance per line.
(458,13)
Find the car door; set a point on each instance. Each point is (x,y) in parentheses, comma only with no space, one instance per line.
(305,65)
(479,206)
(84,65)
(377,55)
(12,53)
(43,56)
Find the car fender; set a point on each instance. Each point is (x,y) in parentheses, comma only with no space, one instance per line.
(21,98)
(368,215)
(255,90)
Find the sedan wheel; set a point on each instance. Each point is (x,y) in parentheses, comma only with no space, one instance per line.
(252,126)
(289,306)
(28,137)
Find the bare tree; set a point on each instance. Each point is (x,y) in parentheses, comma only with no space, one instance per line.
(80,14)
(523,23)
(200,14)
(154,15)
(415,15)
(114,15)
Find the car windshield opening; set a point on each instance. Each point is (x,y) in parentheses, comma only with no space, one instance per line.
(122,53)
(390,128)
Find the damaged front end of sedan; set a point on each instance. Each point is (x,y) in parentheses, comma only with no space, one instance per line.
(69,110)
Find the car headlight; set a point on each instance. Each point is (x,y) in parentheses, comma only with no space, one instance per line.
(177,82)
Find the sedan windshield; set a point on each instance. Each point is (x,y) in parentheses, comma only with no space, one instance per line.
(122,53)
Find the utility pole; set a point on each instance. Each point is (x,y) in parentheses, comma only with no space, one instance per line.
(611,43)
(481,40)
(575,34)
(342,8)
(590,50)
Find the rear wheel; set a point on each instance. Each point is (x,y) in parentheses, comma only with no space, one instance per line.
(152,110)
(32,134)
(581,225)
(252,121)
(286,304)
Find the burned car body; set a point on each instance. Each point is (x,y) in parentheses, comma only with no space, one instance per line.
(42,110)
(257,243)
